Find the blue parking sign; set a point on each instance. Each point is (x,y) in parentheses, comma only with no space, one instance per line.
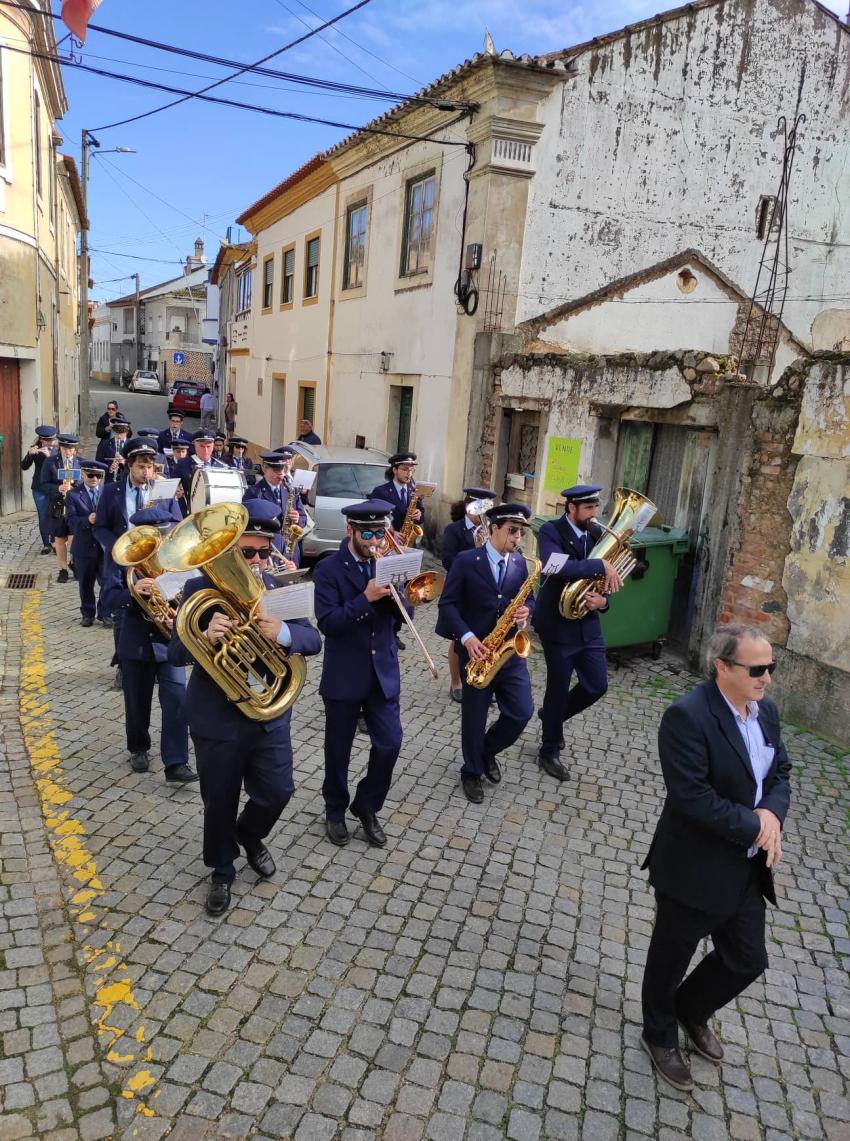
(179,358)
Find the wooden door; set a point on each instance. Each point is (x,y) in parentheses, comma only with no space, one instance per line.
(10,430)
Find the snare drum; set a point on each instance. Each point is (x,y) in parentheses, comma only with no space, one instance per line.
(216,485)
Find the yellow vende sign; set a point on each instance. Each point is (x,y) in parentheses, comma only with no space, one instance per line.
(562,459)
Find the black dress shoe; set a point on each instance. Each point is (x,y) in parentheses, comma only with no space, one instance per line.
(371,826)
(62,576)
(472,789)
(703,1040)
(337,832)
(553,767)
(456,694)
(670,1064)
(400,644)
(180,774)
(218,898)
(491,770)
(257,854)
(87,621)
(46,550)
(140,762)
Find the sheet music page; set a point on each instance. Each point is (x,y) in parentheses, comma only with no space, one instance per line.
(303,479)
(395,569)
(289,602)
(425,490)
(172,582)
(164,488)
(555,563)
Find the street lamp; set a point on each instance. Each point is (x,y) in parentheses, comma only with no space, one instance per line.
(88,142)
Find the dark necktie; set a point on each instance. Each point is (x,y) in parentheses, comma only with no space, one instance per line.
(140,503)
(501,573)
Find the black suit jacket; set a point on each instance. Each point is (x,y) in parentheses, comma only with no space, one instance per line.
(699,852)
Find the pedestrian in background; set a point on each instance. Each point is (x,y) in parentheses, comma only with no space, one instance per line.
(230,410)
(306,435)
(209,405)
(43,446)
(103,426)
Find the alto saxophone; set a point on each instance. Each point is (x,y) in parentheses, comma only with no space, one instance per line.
(499,647)
(410,530)
(293,533)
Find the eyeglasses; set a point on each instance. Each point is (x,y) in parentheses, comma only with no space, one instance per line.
(379,534)
(93,474)
(256,552)
(753,671)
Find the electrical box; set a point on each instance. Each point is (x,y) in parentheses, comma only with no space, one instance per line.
(474,253)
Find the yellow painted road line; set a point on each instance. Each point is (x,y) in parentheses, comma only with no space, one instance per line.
(67,835)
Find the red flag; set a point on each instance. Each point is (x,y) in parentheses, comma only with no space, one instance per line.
(76,15)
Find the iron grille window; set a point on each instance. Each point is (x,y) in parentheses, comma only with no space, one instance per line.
(268,282)
(527,461)
(418,224)
(287,288)
(311,272)
(355,246)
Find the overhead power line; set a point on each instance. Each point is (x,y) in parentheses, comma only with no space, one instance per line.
(135,257)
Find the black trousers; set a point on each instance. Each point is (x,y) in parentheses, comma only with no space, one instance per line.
(561,702)
(738,958)
(383,720)
(138,685)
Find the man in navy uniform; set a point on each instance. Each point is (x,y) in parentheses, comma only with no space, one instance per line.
(111,448)
(726,775)
(275,486)
(360,672)
(459,536)
(233,750)
(397,489)
(175,454)
(43,446)
(238,459)
(89,557)
(152,436)
(174,433)
(571,645)
(479,588)
(143,658)
(203,442)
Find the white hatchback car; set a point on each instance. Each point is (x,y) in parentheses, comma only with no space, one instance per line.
(143,380)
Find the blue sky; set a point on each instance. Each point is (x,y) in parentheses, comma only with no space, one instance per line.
(198,166)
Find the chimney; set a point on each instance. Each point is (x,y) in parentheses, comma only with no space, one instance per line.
(199,250)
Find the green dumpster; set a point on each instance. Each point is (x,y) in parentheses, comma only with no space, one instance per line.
(640,613)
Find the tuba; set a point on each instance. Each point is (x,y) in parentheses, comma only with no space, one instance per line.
(499,647)
(632,512)
(138,550)
(256,674)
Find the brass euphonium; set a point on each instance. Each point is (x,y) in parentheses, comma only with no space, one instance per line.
(138,550)
(256,674)
(632,512)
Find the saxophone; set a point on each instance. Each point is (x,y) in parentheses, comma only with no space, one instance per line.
(499,647)
(411,531)
(293,533)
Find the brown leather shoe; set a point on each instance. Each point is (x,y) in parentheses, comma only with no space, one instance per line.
(670,1064)
(703,1040)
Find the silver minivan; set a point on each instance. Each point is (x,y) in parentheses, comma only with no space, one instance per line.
(343,476)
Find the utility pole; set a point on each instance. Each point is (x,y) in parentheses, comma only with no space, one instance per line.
(85,400)
(138,322)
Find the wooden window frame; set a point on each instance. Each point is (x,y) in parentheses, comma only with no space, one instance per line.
(409,184)
(267,285)
(290,249)
(360,203)
(303,386)
(312,299)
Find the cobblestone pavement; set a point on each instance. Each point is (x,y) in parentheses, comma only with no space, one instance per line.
(478,978)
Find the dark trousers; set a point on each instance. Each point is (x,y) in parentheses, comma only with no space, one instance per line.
(260,761)
(560,703)
(383,720)
(41,500)
(139,679)
(89,571)
(738,958)
(512,690)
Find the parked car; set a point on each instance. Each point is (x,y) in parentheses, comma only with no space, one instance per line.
(144,380)
(343,476)
(185,396)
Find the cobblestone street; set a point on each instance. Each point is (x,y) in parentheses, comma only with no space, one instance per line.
(478,978)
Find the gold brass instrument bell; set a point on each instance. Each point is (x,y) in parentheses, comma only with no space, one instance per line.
(256,674)
(138,550)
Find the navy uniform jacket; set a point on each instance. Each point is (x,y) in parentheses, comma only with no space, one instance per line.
(209,712)
(139,638)
(457,537)
(360,645)
(262,489)
(245,466)
(50,473)
(388,493)
(472,601)
(165,439)
(37,460)
(699,852)
(558,537)
(77,511)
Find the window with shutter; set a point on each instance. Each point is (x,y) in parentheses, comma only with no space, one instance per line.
(311,268)
(287,285)
(268,282)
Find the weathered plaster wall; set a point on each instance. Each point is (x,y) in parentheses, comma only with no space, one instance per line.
(666,140)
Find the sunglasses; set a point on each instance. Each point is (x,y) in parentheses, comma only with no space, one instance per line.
(753,671)
(93,474)
(514,530)
(379,534)
(258,552)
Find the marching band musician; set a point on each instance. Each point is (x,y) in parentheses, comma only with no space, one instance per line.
(459,536)
(152,437)
(143,660)
(397,489)
(238,459)
(571,645)
(360,672)
(111,448)
(43,446)
(175,433)
(56,488)
(219,444)
(232,750)
(175,454)
(204,442)
(479,588)
(275,486)
(89,557)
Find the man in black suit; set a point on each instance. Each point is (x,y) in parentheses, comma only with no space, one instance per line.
(726,773)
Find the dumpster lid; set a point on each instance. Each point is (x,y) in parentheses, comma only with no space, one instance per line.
(660,536)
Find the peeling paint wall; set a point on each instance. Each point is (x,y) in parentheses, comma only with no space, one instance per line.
(666,140)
